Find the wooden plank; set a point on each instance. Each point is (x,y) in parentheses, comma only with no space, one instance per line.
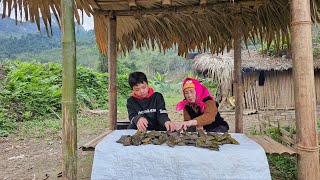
(286,139)
(232,112)
(268,146)
(284,148)
(265,145)
(271,146)
(282,131)
(287,113)
(90,146)
(277,108)
(276,117)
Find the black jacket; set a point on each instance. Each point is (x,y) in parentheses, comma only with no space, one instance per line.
(219,121)
(152,108)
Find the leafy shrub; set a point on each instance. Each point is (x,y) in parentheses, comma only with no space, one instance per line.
(6,127)
(33,90)
(316,52)
(123,87)
(210,84)
(92,88)
(160,85)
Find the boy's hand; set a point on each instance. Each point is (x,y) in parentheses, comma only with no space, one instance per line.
(142,124)
(170,126)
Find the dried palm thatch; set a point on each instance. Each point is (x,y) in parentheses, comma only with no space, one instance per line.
(220,67)
(37,10)
(187,24)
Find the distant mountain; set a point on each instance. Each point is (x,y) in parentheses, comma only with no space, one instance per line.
(8,27)
(23,41)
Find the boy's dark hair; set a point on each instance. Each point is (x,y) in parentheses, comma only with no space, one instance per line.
(136,78)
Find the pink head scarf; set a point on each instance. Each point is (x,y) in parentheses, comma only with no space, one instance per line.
(201,93)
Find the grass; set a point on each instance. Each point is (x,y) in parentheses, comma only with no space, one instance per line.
(51,128)
(122,108)
(282,167)
(48,128)
(172,99)
(91,124)
(253,130)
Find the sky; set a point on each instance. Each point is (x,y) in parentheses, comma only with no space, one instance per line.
(87,22)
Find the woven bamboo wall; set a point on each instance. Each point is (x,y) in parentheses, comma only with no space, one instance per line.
(277,91)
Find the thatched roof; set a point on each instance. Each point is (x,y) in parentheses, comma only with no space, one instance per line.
(187,24)
(220,67)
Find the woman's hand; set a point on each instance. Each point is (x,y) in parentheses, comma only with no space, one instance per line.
(201,127)
(184,125)
(170,126)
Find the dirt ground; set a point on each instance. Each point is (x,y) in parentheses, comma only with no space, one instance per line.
(40,158)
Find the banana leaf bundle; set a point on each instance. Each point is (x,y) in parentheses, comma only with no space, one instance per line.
(199,139)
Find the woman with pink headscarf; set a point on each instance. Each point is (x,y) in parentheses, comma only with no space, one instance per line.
(199,108)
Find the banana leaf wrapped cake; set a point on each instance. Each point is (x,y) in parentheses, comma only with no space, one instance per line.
(209,140)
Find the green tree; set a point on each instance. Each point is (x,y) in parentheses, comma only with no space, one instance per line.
(103,63)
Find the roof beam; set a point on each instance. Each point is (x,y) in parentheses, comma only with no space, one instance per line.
(184,9)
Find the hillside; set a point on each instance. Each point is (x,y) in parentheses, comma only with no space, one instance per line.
(9,28)
(23,41)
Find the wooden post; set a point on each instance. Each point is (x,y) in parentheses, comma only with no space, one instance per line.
(69,112)
(112,58)
(304,91)
(238,83)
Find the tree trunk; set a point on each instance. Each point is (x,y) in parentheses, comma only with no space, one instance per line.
(112,58)
(304,91)
(238,84)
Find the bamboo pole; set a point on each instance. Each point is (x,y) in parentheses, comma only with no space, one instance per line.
(238,84)
(112,57)
(304,92)
(69,113)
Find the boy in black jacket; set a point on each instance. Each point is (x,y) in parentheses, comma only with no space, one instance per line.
(146,108)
